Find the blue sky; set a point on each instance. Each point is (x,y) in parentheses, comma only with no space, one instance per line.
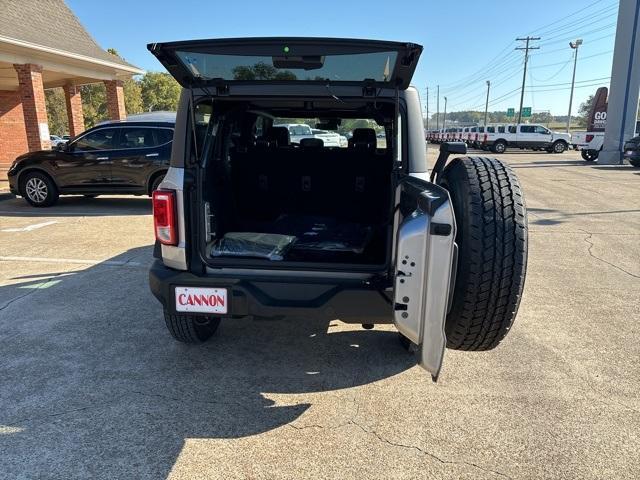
(466,42)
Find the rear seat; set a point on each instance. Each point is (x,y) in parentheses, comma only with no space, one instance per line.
(352,184)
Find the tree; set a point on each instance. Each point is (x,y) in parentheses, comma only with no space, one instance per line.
(94,103)
(262,71)
(132,96)
(585,109)
(56,111)
(132,90)
(159,91)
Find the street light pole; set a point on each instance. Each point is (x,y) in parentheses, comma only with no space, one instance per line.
(438,109)
(427,108)
(486,105)
(444,118)
(574,46)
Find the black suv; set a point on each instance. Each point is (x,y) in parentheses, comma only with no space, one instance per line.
(250,223)
(111,158)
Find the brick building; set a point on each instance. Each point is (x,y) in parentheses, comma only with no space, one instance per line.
(43,45)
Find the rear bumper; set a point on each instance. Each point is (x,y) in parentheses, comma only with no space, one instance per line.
(349,300)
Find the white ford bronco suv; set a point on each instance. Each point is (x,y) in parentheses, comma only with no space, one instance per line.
(249,224)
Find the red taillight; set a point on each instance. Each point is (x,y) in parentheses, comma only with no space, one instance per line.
(164,217)
(589,138)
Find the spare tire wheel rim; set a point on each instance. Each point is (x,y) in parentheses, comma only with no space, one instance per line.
(36,189)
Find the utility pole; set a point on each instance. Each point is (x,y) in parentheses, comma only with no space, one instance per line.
(526,49)
(438,109)
(427,108)
(486,105)
(444,118)
(573,45)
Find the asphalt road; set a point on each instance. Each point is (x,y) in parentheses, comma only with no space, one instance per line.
(92,386)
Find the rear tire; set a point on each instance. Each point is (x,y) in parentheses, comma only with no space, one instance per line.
(492,241)
(635,162)
(38,189)
(191,328)
(156,183)
(589,155)
(499,147)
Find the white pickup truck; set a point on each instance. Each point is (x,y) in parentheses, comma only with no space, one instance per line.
(535,137)
(589,144)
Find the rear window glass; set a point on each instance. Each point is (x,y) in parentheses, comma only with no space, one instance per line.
(377,66)
(527,129)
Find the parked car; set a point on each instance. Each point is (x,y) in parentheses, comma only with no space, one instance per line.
(589,144)
(526,136)
(358,234)
(111,158)
(55,140)
(632,151)
(330,139)
(297,131)
(66,138)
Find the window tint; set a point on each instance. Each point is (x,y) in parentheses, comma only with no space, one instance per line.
(481,129)
(136,138)
(501,129)
(512,129)
(102,139)
(491,129)
(527,129)
(203,115)
(540,129)
(163,135)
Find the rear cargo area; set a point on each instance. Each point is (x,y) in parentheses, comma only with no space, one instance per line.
(276,201)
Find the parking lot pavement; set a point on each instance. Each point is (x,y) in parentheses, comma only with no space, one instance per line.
(91,384)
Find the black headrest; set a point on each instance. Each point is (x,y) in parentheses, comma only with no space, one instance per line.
(363,137)
(280,135)
(311,143)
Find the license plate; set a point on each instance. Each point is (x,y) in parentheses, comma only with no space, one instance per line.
(201,300)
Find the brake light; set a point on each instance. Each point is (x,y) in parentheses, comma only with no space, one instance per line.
(485,138)
(164,217)
(589,138)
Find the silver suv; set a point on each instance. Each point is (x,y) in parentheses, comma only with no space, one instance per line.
(249,224)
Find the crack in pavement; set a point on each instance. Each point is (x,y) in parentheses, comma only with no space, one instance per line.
(587,239)
(30,291)
(427,453)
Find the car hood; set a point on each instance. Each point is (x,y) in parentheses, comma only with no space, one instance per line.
(35,155)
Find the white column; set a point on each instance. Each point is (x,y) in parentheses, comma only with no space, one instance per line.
(622,108)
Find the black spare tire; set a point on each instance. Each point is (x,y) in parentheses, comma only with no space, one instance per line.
(492,251)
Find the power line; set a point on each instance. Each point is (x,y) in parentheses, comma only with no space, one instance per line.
(539,30)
